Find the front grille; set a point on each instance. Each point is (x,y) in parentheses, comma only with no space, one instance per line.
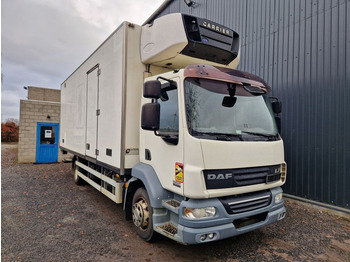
(226,178)
(252,176)
(246,202)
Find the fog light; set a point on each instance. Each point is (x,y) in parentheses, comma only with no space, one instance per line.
(211,235)
(281,215)
(203,237)
(278,198)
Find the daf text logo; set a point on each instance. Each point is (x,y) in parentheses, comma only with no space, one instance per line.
(219,176)
(216,28)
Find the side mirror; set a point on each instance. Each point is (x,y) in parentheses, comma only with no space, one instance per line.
(229,101)
(152,89)
(150,116)
(276,107)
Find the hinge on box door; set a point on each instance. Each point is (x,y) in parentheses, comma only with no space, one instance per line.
(98,112)
(96,152)
(98,72)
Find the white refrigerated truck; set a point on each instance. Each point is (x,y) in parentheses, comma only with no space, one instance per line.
(158,119)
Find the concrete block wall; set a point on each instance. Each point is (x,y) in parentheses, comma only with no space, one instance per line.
(32,112)
(44,94)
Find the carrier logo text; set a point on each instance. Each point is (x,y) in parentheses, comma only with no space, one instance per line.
(216,28)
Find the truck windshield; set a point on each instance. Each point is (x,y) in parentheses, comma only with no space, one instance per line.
(248,118)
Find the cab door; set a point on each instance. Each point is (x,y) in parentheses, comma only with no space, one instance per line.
(164,149)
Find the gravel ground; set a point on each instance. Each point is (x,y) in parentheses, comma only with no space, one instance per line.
(46,217)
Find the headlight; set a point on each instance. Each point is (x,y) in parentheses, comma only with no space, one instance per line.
(196,213)
(278,198)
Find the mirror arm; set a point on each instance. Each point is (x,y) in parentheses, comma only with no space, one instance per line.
(231,88)
(166,79)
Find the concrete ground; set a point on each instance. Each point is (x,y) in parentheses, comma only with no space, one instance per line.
(46,217)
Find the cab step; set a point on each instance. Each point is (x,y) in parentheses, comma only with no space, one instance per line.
(172,205)
(168,229)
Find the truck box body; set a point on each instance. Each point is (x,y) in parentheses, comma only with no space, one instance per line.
(108,84)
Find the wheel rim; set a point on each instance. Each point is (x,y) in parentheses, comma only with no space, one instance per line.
(140,214)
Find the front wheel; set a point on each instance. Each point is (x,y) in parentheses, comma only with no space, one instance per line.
(142,214)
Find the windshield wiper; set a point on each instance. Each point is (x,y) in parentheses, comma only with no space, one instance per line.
(219,136)
(226,137)
(260,134)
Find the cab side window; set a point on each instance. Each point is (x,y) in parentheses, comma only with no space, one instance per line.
(169,112)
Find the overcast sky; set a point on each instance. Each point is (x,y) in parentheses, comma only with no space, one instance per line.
(44,41)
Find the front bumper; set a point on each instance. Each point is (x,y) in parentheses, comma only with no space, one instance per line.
(222,225)
(193,235)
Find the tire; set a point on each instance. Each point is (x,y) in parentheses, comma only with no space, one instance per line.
(77,180)
(142,215)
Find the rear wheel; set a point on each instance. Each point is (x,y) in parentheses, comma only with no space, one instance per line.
(77,180)
(142,214)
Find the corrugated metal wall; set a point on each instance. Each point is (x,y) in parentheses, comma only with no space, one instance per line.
(302,48)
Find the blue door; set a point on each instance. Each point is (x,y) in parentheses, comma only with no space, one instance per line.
(47,142)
